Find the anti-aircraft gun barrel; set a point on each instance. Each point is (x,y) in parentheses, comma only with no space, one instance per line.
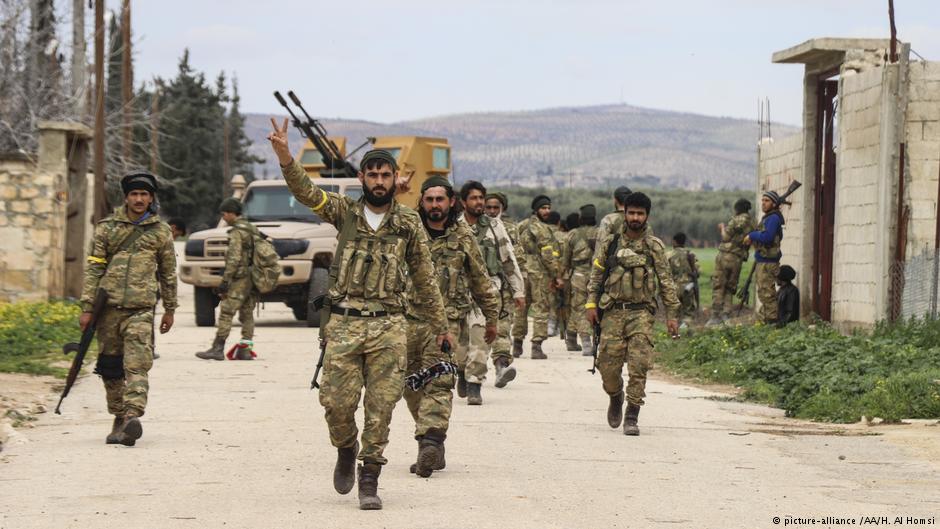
(316,133)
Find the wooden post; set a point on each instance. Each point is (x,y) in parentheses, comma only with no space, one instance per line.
(127,82)
(101,199)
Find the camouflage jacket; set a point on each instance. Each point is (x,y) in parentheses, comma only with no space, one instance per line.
(561,246)
(683,264)
(635,268)
(732,240)
(238,252)
(133,276)
(498,254)
(376,265)
(581,244)
(462,275)
(540,247)
(512,228)
(611,223)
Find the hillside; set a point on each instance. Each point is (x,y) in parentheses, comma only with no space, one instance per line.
(581,147)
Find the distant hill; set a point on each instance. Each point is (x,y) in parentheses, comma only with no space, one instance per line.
(579,146)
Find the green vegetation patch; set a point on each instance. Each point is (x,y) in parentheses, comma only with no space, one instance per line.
(32,335)
(814,372)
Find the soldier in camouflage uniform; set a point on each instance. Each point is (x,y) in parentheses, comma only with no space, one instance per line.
(132,259)
(626,284)
(732,254)
(766,240)
(381,245)
(236,290)
(684,267)
(503,270)
(463,281)
(544,272)
(582,242)
(556,317)
(613,222)
(516,326)
(565,314)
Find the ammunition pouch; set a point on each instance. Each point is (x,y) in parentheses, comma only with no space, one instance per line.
(110,367)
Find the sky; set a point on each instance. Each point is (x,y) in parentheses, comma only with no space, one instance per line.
(391,61)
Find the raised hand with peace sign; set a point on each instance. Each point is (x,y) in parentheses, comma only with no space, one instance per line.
(278,139)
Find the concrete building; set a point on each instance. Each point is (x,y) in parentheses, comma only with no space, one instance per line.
(869,160)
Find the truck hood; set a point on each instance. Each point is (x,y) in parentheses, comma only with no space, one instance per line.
(277,230)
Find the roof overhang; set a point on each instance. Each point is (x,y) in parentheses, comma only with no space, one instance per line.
(827,50)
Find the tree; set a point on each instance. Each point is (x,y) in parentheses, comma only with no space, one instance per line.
(240,157)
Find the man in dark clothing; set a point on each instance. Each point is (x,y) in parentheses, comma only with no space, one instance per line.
(788,296)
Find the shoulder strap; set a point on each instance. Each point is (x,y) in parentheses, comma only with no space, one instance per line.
(345,235)
(131,239)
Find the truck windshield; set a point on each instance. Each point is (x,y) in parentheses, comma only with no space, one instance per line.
(278,203)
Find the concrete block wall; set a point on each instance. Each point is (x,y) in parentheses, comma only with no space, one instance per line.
(855,282)
(779,163)
(922,136)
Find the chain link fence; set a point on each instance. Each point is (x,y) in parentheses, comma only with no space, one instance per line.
(914,286)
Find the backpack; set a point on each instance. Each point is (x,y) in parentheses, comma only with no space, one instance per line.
(264,268)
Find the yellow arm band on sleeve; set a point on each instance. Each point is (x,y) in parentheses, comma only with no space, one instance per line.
(548,247)
(590,305)
(598,264)
(99,260)
(556,254)
(322,202)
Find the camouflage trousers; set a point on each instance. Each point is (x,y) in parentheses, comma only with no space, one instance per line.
(577,321)
(541,305)
(725,282)
(473,363)
(520,317)
(430,406)
(127,334)
(241,299)
(626,338)
(501,347)
(370,353)
(766,278)
(686,303)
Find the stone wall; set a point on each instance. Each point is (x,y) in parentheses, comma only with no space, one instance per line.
(922,137)
(34,197)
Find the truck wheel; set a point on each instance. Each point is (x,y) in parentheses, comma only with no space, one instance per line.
(319,281)
(206,300)
(300,311)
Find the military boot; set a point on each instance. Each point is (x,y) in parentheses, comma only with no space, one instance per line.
(629,420)
(516,347)
(114,437)
(537,353)
(587,349)
(571,341)
(344,473)
(215,352)
(130,431)
(430,453)
(369,487)
(615,410)
(441,462)
(473,394)
(244,350)
(461,384)
(505,373)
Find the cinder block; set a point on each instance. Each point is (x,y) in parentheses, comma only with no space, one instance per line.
(930,131)
(922,150)
(861,137)
(924,90)
(923,111)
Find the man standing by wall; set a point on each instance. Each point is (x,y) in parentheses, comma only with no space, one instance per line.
(236,289)
(732,254)
(132,259)
(766,240)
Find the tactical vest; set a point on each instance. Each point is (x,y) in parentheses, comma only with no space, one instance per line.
(372,266)
(450,264)
(770,252)
(632,277)
(582,247)
(488,245)
(679,265)
(736,246)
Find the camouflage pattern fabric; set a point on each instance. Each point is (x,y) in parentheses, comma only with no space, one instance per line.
(732,240)
(133,276)
(519,326)
(582,242)
(238,251)
(542,262)
(240,298)
(626,338)
(561,298)
(684,267)
(611,223)
(520,317)
(500,348)
(725,282)
(127,333)
(766,278)
(368,353)
(430,406)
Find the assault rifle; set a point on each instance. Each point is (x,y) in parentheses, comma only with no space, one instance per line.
(698,300)
(80,348)
(313,130)
(608,265)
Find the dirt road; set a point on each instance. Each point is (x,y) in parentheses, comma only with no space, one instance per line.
(244,444)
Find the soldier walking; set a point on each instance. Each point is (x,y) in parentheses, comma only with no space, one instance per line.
(732,254)
(766,240)
(625,269)
(504,273)
(582,242)
(544,274)
(613,222)
(515,327)
(463,281)
(685,272)
(380,245)
(236,289)
(132,258)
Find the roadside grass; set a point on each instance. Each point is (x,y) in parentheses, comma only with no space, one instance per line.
(32,335)
(813,372)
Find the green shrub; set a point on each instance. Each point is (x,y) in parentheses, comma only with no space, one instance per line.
(32,335)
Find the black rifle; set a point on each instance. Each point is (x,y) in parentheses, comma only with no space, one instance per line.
(80,348)
(313,130)
(698,299)
(318,305)
(608,265)
(745,293)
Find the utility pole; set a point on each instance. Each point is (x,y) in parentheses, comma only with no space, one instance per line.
(101,200)
(127,82)
(154,128)
(78,58)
